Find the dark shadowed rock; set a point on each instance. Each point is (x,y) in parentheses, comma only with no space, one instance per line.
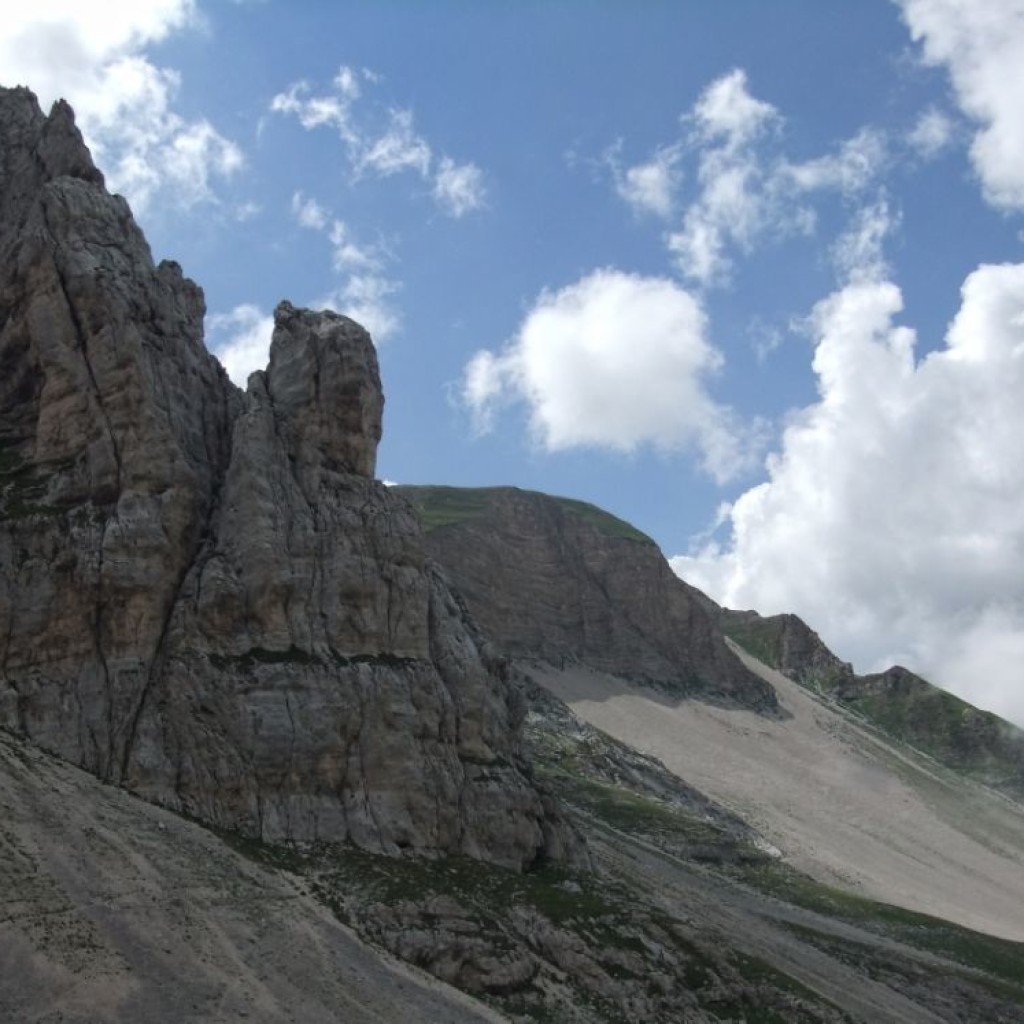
(561,581)
(204,594)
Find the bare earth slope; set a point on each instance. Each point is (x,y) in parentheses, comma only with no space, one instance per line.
(114,910)
(840,801)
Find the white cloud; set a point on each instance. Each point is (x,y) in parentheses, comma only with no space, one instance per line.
(365,291)
(332,110)
(726,111)
(382,147)
(651,187)
(747,191)
(94,56)
(459,188)
(241,340)
(981,44)
(349,255)
(309,213)
(400,148)
(858,253)
(932,133)
(614,361)
(858,161)
(890,518)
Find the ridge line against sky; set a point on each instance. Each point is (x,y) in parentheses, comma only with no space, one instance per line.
(748,278)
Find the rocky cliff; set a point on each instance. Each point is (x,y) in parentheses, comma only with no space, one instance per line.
(204,595)
(561,581)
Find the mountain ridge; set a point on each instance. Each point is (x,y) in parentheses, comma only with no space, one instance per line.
(579,584)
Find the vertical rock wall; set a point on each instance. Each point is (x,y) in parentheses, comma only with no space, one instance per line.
(204,595)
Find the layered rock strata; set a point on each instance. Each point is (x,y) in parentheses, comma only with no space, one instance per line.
(204,595)
(561,581)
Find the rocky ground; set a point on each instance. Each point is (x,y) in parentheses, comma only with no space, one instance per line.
(121,911)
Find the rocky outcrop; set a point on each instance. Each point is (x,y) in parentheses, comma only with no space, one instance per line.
(561,581)
(787,644)
(204,594)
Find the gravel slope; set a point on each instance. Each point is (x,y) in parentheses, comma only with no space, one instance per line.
(114,910)
(840,803)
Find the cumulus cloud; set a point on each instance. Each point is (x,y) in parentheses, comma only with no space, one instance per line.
(382,146)
(241,340)
(747,191)
(614,361)
(890,518)
(95,58)
(981,45)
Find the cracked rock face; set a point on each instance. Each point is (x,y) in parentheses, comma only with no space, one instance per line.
(204,594)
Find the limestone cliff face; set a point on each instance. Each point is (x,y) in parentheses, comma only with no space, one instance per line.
(204,595)
(563,582)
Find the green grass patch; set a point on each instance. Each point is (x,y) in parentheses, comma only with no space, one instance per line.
(758,638)
(635,814)
(608,524)
(447,506)
(440,506)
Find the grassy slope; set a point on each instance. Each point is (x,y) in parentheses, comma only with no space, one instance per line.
(446,506)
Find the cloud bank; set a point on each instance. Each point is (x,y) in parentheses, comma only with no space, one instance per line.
(891,516)
(981,44)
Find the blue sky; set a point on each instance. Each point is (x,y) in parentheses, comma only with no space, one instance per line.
(745,274)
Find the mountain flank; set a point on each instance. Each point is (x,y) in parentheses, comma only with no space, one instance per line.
(593,615)
(899,703)
(563,582)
